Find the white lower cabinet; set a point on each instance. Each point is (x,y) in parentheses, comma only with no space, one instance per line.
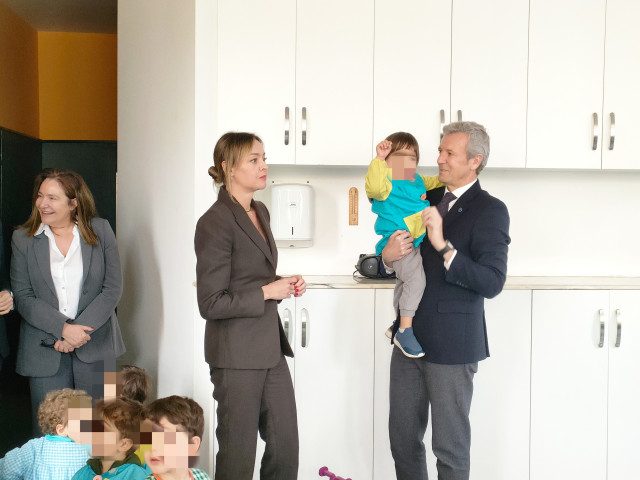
(549,403)
(331,333)
(624,385)
(500,407)
(584,384)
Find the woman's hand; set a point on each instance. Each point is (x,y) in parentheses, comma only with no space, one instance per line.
(398,246)
(300,286)
(63,346)
(75,335)
(280,289)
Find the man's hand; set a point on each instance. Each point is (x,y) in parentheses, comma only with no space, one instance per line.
(383,149)
(6,302)
(432,221)
(398,246)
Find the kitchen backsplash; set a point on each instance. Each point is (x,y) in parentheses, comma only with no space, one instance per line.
(563,222)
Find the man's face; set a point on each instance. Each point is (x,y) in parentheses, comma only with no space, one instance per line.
(403,164)
(455,169)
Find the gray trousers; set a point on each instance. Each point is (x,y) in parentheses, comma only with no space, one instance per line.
(252,401)
(72,373)
(410,283)
(415,385)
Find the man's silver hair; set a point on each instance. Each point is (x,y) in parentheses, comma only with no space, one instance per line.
(478,140)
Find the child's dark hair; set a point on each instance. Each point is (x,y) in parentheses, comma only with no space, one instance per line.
(135,383)
(404,140)
(181,411)
(125,415)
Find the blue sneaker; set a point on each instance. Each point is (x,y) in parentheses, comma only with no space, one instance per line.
(407,343)
(389,332)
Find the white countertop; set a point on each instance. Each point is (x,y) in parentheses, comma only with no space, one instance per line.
(513,283)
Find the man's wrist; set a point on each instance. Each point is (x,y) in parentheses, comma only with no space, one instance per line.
(444,248)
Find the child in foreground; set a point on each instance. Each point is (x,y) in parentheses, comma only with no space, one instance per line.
(399,195)
(60,453)
(133,383)
(178,425)
(115,437)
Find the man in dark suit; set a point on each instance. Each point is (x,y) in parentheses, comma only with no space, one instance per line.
(465,261)
(6,302)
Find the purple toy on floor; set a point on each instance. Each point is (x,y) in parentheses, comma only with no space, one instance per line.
(324,472)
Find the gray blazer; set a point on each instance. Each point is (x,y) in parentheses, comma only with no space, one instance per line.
(234,262)
(36,300)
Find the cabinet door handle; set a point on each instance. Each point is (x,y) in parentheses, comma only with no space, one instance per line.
(459,115)
(612,130)
(306,327)
(618,327)
(595,132)
(286,125)
(601,342)
(288,326)
(441,124)
(304,125)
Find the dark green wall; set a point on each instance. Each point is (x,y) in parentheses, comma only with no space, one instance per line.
(96,162)
(21,158)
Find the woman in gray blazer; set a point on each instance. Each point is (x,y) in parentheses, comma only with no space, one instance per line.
(245,343)
(66,281)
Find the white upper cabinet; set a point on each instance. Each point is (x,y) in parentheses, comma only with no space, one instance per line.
(438,62)
(300,75)
(334,82)
(256,72)
(621,81)
(566,61)
(412,71)
(489,73)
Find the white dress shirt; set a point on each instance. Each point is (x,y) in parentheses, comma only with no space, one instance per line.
(65,271)
(458,193)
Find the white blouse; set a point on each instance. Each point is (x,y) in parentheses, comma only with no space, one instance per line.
(65,271)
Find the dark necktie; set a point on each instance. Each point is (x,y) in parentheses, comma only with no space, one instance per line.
(443,206)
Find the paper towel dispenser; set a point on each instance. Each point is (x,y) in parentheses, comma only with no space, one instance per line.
(292,215)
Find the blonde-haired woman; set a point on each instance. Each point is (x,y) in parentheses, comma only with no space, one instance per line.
(66,280)
(245,343)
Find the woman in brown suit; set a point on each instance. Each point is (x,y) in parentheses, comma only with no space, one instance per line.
(245,343)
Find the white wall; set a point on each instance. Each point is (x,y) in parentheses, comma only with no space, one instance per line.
(562,222)
(156,151)
(166,133)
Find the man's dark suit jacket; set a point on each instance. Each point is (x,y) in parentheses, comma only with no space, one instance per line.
(4,285)
(449,322)
(233,264)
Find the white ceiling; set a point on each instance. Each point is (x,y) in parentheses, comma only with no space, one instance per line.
(82,16)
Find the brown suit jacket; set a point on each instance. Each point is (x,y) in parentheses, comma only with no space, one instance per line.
(233,264)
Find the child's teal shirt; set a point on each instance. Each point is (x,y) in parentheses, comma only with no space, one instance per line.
(128,469)
(397,203)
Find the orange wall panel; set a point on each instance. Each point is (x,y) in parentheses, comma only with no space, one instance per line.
(18,74)
(78,86)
